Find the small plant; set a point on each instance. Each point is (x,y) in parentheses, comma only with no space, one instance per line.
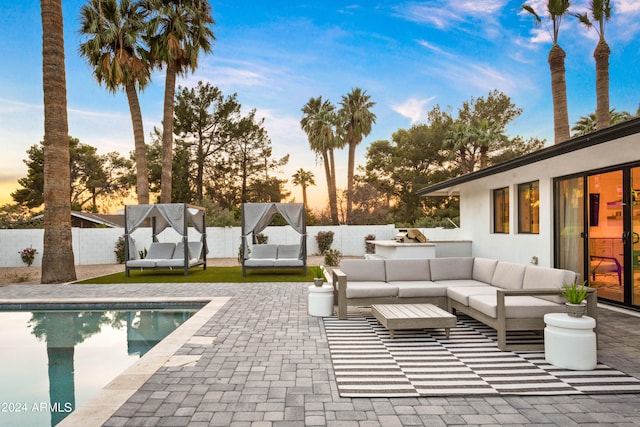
(369,248)
(28,255)
(240,255)
(574,293)
(324,240)
(318,273)
(119,249)
(143,253)
(262,239)
(332,257)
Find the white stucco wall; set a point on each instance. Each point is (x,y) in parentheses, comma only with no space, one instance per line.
(476,209)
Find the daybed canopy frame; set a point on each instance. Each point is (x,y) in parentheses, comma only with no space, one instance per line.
(257,216)
(176,215)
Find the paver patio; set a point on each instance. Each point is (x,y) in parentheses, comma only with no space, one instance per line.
(269,365)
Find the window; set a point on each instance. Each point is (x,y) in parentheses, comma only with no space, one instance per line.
(501,210)
(529,207)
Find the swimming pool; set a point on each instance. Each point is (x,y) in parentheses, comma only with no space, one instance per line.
(53,361)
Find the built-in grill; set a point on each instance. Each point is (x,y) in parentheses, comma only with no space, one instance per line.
(411,235)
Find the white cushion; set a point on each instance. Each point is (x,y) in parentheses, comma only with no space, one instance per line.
(420,288)
(141,263)
(264,251)
(451,268)
(407,269)
(259,262)
(358,270)
(516,307)
(288,262)
(483,269)
(508,275)
(289,251)
(160,250)
(461,294)
(366,289)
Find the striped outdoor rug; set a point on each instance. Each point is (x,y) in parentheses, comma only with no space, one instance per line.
(367,363)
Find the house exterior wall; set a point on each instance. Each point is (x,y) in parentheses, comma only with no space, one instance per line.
(476,214)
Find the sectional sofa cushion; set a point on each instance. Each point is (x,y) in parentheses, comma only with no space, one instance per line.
(461,294)
(367,289)
(516,307)
(358,270)
(544,278)
(451,268)
(407,269)
(508,275)
(483,269)
(418,289)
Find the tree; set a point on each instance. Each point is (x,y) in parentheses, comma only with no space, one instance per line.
(356,120)
(601,13)
(319,123)
(113,47)
(179,30)
(557,9)
(57,255)
(588,124)
(205,119)
(304,179)
(95,179)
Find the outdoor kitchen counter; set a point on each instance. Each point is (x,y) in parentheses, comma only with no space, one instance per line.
(391,249)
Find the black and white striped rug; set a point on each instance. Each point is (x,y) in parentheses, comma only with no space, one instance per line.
(367,363)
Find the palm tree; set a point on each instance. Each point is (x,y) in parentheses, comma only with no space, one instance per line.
(114,49)
(588,124)
(57,255)
(319,123)
(179,30)
(557,9)
(304,179)
(601,13)
(356,121)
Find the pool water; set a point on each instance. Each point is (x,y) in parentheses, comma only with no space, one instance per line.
(53,361)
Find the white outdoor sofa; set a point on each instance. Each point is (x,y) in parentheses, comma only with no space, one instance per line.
(168,256)
(272,256)
(505,296)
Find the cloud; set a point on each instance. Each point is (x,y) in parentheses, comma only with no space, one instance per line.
(413,108)
(451,13)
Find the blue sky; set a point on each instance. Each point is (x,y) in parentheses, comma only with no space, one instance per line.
(408,56)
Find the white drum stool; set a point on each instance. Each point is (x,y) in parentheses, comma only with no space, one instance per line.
(569,342)
(321,300)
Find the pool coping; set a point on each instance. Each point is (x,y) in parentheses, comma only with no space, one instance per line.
(102,405)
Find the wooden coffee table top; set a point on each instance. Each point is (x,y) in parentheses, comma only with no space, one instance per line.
(413,316)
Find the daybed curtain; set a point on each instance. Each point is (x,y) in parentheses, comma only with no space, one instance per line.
(257,216)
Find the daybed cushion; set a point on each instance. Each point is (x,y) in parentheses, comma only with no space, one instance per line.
(177,260)
(516,307)
(508,275)
(451,268)
(407,270)
(368,289)
(264,251)
(157,251)
(288,251)
(288,262)
(359,270)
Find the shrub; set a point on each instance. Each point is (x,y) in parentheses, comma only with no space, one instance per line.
(324,240)
(369,248)
(119,250)
(28,255)
(332,257)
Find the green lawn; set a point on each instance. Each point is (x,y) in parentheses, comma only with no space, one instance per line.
(198,275)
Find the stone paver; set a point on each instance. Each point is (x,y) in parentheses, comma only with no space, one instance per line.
(263,361)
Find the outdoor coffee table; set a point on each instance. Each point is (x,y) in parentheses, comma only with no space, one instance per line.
(413,316)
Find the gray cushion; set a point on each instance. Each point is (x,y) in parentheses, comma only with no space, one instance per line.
(289,251)
(542,277)
(451,268)
(195,250)
(515,307)
(160,250)
(407,269)
(421,288)
(461,294)
(141,263)
(508,275)
(264,251)
(259,262)
(358,270)
(368,289)
(461,282)
(288,262)
(483,269)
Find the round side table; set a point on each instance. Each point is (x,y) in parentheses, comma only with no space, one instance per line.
(569,342)
(321,300)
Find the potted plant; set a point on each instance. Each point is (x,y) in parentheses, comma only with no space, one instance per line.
(318,276)
(575,295)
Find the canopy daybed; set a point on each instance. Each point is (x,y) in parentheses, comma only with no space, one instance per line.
(168,255)
(255,218)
